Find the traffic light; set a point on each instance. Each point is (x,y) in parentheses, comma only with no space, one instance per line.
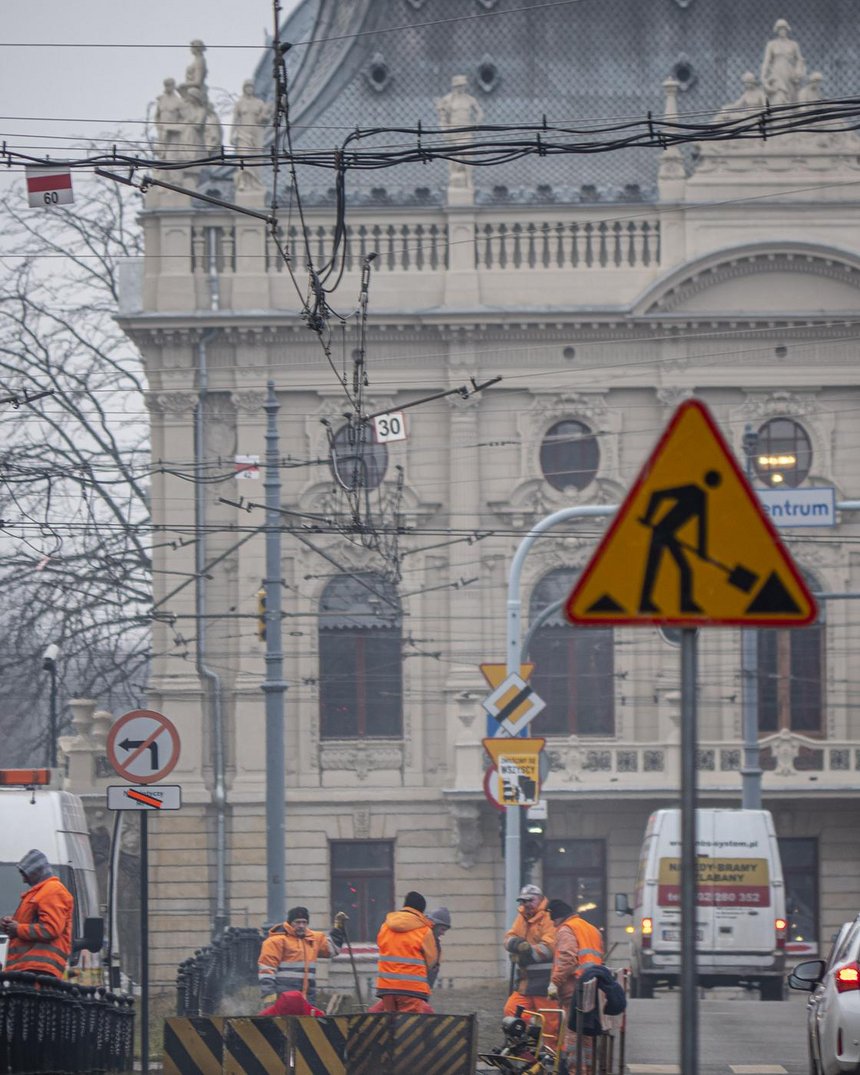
(532,845)
(261,613)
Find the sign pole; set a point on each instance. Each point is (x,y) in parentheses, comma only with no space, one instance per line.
(144,942)
(689,878)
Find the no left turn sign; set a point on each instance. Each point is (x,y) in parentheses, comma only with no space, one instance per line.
(143,746)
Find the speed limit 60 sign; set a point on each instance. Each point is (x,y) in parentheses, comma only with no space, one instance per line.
(49,186)
(389,427)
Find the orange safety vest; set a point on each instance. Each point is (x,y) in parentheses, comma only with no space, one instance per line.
(44,940)
(407,951)
(588,940)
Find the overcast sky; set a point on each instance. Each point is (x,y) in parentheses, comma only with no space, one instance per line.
(56,87)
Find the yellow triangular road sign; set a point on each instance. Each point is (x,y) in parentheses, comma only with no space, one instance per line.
(496,674)
(691,544)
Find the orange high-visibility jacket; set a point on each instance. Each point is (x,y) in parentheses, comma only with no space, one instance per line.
(288,962)
(44,940)
(579,943)
(407,952)
(539,931)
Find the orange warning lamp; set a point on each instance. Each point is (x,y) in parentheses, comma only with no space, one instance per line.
(24,777)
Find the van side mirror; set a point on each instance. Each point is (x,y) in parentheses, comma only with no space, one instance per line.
(93,937)
(622,905)
(807,975)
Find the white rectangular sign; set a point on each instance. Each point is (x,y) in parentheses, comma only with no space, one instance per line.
(49,186)
(799,507)
(144,797)
(389,427)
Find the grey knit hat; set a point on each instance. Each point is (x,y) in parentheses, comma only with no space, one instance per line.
(441,916)
(35,867)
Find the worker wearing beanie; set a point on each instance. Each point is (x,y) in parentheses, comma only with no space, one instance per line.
(289,953)
(40,930)
(530,942)
(441,919)
(407,954)
(579,944)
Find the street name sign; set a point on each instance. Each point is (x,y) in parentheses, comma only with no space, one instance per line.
(145,797)
(691,544)
(143,746)
(812,506)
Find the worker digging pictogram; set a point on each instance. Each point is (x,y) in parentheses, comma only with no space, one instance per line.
(691,544)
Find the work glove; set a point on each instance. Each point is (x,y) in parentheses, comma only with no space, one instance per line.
(525,955)
(9,926)
(552,991)
(340,920)
(269,999)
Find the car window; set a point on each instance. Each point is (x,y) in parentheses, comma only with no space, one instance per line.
(845,943)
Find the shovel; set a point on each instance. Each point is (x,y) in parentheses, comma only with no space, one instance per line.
(738,576)
(352,961)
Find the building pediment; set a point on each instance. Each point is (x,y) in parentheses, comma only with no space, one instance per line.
(786,280)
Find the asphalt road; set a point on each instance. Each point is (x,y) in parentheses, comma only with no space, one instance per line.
(740,1035)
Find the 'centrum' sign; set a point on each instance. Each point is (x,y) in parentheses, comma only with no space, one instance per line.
(799,507)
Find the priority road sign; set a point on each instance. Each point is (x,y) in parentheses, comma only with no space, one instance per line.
(143,746)
(49,186)
(691,544)
(513,704)
(145,797)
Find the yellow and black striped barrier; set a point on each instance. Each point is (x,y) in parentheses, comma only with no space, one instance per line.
(387,1044)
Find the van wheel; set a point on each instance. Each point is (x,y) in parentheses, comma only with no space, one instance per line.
(771,989)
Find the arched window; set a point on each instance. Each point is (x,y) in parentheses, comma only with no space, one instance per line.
(791,678)
(569,456)
(361,463)
(360,658)
(574,666)
(783,453)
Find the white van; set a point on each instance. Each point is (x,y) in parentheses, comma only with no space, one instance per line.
(54,822)
(740,920)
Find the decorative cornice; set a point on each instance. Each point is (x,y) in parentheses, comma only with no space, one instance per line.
(361,757)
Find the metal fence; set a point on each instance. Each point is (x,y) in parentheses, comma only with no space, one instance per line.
(218,969)
(48,1025)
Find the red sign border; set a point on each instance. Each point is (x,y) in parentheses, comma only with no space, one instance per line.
(117,727)
(625,508)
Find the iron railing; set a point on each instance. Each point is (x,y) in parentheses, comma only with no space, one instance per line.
(218,969)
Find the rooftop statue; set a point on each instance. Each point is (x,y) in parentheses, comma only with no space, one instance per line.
(783,67)
(196,71)
(752,100)
(170,122)
(250,117)
(458,109)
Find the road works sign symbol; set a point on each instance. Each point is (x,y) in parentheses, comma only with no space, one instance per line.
(691,544)
(143,746)
(518,767)
(513,704)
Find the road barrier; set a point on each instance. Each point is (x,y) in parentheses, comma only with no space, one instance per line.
(386,1044)
(49,1025)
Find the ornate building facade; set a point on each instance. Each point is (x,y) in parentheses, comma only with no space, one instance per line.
(603,289)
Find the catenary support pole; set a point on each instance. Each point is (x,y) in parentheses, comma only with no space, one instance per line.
(512,660)
(689,983)
(273,684)
(144,942)
(751,769)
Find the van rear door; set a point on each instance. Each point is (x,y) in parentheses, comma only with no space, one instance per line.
(741,882)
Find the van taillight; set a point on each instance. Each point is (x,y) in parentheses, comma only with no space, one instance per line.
(647,930)
(847,978)
(781,927)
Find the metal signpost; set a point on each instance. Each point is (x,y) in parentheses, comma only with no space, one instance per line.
(142,747)
(691,546)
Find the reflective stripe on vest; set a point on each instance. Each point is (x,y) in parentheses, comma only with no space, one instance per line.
(588,940)
(404,973)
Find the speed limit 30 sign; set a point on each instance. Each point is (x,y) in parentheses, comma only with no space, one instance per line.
(389,427)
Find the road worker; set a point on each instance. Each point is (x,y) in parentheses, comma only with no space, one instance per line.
(441,919)
(289,953)
(408,953)
(578,944)
(530,942)
(40,930)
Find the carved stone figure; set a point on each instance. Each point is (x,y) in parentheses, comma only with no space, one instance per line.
(783,67)
(250,117)
(458,109)
(195,73)
(170,122)
(195,114)
(811,94)
(752,100)
(213,137)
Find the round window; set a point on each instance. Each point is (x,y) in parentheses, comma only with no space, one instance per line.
(361,463)
(783,453)
(569,456)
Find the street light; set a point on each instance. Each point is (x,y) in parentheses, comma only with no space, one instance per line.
(49,664)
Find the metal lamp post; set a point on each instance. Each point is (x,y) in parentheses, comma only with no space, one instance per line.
(49,664)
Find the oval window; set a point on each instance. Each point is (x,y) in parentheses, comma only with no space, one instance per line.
(569,455)
(783,454)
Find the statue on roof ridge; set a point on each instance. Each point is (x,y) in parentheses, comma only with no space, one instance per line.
(250,116)
(783,67)
(458,109)
(752,100)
